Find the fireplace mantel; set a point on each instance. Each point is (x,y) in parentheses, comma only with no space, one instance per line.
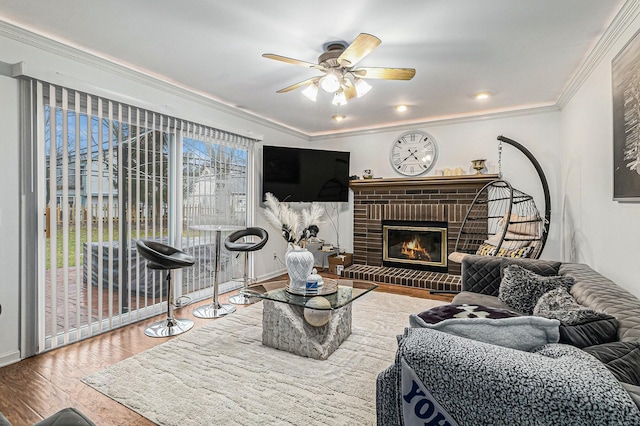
(427,181)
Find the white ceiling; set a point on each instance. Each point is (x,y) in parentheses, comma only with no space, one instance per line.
(524,51)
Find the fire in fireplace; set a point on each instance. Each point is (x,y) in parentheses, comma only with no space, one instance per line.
(417,245)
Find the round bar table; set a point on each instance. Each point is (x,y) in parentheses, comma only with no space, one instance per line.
(215,309)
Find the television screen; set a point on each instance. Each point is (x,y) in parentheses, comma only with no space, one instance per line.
(297,174)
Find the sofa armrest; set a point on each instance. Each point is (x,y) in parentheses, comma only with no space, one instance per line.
(595,291)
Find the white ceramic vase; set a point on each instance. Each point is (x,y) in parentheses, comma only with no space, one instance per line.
(299,263)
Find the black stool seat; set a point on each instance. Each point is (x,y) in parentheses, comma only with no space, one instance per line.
(162,256)
(166,258)
(231,243)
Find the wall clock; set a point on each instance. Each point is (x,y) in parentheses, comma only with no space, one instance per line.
(413,153)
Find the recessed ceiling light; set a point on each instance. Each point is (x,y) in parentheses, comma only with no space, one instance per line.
(482,95)
(338,118)
(401,108)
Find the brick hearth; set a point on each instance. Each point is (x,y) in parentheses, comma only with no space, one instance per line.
(405,277)
(439,199)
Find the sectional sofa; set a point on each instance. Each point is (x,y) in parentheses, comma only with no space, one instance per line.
(440,378)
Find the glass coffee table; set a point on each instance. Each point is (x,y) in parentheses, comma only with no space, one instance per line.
(311,325)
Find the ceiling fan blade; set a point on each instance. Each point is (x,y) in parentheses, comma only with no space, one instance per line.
(349,89)
(291,61)
(385,73)
(358,49)
(295,86)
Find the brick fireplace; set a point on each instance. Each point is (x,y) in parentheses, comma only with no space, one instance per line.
(436,199)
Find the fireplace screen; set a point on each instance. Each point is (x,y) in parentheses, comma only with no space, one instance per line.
(415,246)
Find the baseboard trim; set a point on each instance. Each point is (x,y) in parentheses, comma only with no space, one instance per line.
(9,358)
(271,275)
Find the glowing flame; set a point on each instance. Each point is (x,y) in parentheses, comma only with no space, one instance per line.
(413,250)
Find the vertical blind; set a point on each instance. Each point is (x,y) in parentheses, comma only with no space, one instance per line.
(112,174)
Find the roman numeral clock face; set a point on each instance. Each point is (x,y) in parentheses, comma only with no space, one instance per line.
(414,153)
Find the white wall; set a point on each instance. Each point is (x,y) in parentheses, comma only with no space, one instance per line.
(9,221)
(461,141)
(597,230)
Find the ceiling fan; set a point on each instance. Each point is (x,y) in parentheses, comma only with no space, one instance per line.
(341,77)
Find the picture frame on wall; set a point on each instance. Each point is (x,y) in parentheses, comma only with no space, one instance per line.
(625,78)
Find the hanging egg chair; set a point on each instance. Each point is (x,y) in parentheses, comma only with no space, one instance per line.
(504,221)
(501,221)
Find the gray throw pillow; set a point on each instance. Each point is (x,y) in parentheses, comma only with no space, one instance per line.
(520,288)
(561,305)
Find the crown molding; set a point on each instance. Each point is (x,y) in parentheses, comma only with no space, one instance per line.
(627,14)
(442,121)
(50,44)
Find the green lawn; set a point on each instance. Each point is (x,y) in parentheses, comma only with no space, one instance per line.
(73,237)
(76,240)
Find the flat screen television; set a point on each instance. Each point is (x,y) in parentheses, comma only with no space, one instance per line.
(298,174)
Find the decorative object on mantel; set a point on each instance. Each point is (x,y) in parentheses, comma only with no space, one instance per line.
(367,174)
(297,228)
(478,165)
(420,181)
(413,153)
(458,171)
(519,231)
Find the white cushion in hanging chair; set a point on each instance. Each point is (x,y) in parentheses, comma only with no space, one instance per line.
(511,241)
(523,225)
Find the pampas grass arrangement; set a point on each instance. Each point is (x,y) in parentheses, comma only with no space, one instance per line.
(296,226)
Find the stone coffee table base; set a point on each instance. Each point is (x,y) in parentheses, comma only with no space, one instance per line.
(284,328)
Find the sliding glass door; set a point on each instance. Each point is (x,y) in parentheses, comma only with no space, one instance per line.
(108,175)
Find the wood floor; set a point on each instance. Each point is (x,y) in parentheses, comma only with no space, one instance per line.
(37,387)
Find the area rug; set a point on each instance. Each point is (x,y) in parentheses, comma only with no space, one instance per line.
(221,374)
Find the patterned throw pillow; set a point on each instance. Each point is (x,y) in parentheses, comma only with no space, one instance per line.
(520,253)
(486,249)
(521,288)
(441,313)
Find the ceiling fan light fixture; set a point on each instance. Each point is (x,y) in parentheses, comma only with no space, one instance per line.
(339,98)
(330,82)
(362,87)
(311,92)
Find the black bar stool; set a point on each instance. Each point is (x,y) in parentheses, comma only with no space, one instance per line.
(231,243)
(166,258)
